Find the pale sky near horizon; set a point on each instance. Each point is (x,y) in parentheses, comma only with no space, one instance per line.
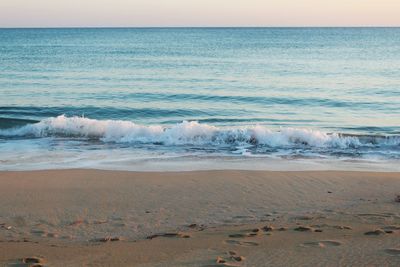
(151,13)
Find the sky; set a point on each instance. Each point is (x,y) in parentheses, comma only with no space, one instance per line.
(197,13)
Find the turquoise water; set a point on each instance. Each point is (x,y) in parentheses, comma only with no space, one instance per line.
(331,93)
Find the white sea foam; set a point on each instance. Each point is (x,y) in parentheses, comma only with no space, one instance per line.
(187,133)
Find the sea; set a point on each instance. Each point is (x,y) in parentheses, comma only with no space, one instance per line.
(200,98)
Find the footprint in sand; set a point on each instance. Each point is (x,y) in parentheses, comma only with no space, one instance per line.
(244,217)
(108,239)
(304,229)
(241,243)
(235,256)
(246,233)
(392,227)
(303,218)
(232,259)
(251,234)
(339,227)
(198,227)
(177,235)
(44,233)
(342,227)
(322,244)
(393,251)
(30,261)
(39,232)
(237,235)
(375,232)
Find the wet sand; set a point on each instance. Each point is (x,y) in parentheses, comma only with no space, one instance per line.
(202,218)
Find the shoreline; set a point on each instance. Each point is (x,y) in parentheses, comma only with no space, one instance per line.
(223,163)
(194,218)
(198,171)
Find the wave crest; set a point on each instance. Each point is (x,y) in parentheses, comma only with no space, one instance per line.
(187,133)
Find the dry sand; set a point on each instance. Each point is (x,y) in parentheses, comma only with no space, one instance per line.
(202,218)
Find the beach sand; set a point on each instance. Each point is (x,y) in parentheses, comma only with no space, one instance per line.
(200,218)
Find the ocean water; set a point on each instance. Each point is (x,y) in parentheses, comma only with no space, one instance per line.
(124,98)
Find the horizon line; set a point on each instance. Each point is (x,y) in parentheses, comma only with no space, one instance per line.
(189,27)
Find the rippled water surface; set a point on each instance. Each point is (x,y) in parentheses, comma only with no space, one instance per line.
(88,95)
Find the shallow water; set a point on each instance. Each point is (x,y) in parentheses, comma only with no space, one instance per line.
(88,96)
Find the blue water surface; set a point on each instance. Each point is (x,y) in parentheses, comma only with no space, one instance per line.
(335,80)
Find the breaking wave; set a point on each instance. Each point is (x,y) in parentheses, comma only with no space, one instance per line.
(187,133)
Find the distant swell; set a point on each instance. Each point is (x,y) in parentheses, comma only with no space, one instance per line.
(191,133)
